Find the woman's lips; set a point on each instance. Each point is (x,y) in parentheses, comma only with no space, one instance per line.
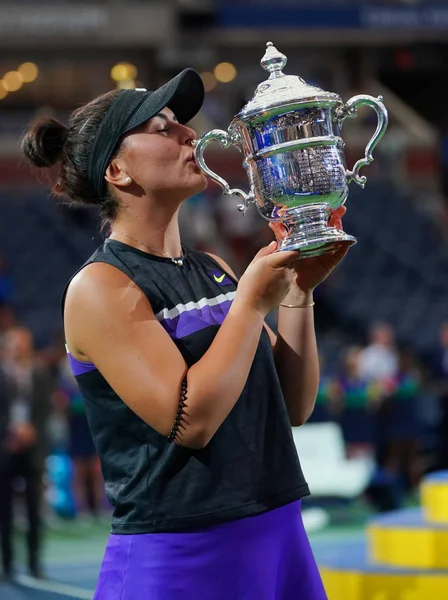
(192,160)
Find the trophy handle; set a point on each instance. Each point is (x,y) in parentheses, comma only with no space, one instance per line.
(350,110)
(226,140)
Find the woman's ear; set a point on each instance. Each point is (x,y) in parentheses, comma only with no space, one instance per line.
(116,175)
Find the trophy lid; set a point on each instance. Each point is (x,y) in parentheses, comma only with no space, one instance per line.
(280,89)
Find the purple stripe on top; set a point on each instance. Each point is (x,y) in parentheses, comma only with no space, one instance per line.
(194,320)
(78,367)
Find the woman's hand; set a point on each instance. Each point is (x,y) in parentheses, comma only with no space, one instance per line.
(310,272)
(267,279)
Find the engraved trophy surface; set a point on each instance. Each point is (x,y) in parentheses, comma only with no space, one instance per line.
(289,136)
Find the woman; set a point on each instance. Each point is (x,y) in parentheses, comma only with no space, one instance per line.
(187,409)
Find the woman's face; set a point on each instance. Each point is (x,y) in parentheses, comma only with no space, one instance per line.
(159,158)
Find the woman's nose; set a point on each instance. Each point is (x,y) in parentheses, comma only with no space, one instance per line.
(190,136)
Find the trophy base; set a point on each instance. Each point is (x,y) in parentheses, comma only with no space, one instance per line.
(309,232)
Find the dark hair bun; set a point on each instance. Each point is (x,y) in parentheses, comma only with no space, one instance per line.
(43,142)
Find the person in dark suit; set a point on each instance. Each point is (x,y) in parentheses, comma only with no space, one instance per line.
(25,404)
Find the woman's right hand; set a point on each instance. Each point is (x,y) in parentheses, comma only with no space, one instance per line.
(267,279)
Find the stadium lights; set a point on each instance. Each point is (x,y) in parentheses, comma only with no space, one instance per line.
(225,72)
(14,80)
(124,72)
(28,72)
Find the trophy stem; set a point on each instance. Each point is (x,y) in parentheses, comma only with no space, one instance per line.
(309,232)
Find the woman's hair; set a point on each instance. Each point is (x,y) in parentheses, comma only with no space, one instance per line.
(48,142)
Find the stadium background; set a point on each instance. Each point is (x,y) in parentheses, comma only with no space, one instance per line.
(56,55)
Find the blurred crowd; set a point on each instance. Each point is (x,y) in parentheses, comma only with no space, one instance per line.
(380,396)
(47,458)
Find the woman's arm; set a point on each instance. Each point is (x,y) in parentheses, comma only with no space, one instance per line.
(116,329)
(295,348)
(296,356)
(109,321)
(295,353)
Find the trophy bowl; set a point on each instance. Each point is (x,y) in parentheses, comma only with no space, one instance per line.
(289,134)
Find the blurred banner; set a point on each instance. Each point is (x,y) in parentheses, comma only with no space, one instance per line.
(85,23)
(328,14)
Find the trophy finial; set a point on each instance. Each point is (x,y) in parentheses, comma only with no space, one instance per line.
(273,61)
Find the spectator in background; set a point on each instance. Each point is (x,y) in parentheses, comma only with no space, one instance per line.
(379,360)
(88,482)
(357,398)
(25,401)
(397,436)
(398,422)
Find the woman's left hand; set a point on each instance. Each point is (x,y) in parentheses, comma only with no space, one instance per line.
(310,272)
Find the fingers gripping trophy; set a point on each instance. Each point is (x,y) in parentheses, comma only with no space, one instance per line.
(289,135)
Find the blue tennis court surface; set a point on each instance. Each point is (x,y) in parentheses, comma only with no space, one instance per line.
(69,580)
(73,552)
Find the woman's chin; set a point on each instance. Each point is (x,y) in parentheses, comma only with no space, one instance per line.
(198,182)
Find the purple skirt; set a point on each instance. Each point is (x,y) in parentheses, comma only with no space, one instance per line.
(265,557)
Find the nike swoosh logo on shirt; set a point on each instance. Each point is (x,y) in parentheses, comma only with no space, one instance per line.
(219,279)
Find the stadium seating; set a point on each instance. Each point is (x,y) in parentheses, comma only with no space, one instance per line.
(398,268)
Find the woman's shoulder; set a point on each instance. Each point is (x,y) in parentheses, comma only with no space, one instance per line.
(213,260)
(102,270)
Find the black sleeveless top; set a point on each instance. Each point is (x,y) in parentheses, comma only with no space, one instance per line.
(250,465)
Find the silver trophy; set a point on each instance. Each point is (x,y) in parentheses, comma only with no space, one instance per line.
(289,135)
